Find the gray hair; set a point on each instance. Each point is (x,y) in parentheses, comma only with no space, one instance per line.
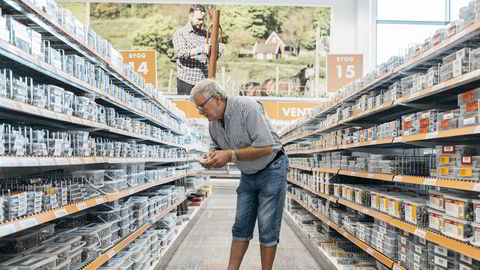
(207,88)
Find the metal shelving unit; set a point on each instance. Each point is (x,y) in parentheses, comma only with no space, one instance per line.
(24,223)
(158,113)
(308,137)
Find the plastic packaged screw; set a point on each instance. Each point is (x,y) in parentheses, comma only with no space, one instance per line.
(459,207)
(459,229)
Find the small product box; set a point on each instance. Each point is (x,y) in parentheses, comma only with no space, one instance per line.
(36,42)
(428,121)
(459,207)
(416,211)
(446,160)
(470,114)
(433,76)
(474,59)
(448,120)
(468,96)
(455,64)
(20,35)
(457,228)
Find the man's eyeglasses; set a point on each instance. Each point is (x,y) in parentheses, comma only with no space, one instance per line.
(200,107)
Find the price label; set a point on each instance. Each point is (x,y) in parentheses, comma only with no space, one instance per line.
(430,181)
(397,178)
(396,267)
(420,233)
(370,175)
(7,229)
(81,206)
(100,201)
(398,139)
(24,224)
(369,251)
(477,129)
(432,135)
(60,213)
(354,173)
(111,253)
(374,142)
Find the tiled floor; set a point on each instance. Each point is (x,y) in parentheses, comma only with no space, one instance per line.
(207,245)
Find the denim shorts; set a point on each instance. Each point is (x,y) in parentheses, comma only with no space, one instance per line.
(261,194)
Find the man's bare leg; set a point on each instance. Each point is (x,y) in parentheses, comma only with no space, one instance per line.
(267,255)
(237,251)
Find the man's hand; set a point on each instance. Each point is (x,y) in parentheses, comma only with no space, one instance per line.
(202,49)
(219,158)
(205,159)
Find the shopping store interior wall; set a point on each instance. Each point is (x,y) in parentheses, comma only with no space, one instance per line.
(353,24)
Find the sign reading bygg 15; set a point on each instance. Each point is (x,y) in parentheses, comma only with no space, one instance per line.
(143,62)
(343,69)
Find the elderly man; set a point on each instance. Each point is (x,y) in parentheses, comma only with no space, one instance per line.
(192,50)
(241,133)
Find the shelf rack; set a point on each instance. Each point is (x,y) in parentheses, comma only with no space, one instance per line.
(23,223)
(370,250)
(182,232)
(43,69)
(100,260)
(406,179)
(38,18)
(44,116)
(465,249)
(440,96)
(25,64)
(421,61)
(19,161)
(400,141)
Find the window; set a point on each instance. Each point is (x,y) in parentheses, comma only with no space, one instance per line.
(395,39)
(401,24)
(455,6)
(412,10)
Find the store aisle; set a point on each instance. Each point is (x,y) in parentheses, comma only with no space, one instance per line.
(207,245)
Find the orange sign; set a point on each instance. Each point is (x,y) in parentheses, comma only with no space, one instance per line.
(275,110)
(343,69)
(143,62)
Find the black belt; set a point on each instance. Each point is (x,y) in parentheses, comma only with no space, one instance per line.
(277,156)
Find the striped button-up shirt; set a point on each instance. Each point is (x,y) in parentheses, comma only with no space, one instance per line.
(245,124)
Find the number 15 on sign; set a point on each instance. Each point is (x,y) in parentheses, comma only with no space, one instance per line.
(348,73)
(343,69)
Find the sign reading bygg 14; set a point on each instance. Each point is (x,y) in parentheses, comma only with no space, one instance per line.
(343,69)
(144,63)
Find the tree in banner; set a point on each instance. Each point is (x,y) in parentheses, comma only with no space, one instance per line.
(109,10)
(157,35)
(296,28)
(258,21)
